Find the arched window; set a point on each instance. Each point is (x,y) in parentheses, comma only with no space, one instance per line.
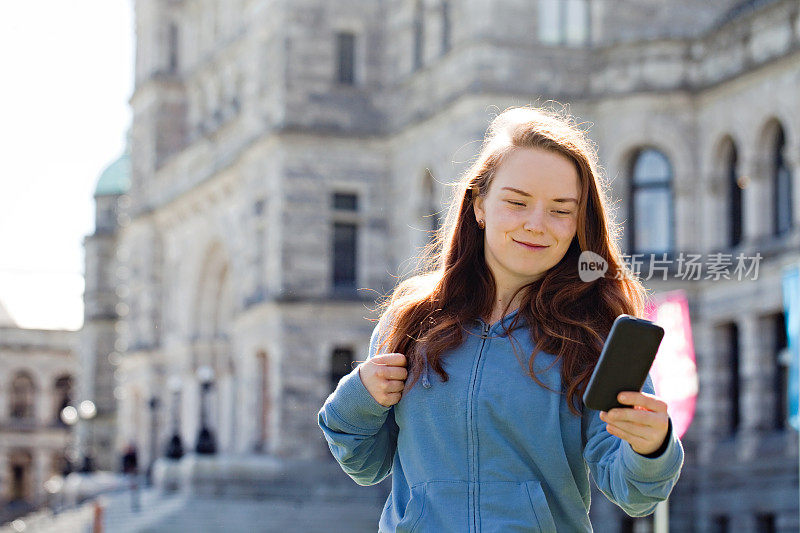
(651,210)
(419,34)
(22,396)
(63,395)
(782,186)
(734,185)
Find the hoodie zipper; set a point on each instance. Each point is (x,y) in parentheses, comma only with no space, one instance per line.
(472,434)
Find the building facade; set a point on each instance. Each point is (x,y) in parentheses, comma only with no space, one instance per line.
(289,158)
(38,379)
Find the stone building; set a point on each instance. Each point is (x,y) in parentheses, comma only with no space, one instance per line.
(287,159)
(38,371)
(98,345)
(44,371)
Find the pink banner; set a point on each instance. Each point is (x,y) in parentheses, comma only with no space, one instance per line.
(674,370)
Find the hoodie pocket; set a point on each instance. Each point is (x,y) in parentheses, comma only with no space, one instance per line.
(437,506)
(413,510)
(540,507)
(514,507)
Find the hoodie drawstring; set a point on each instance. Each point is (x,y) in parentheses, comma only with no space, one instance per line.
(425,382)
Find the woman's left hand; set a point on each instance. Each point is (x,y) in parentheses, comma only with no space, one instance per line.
(644,425)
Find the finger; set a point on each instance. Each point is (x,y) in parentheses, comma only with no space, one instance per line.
(393,386)
(642,399)
(643,423)
(636,416)
(392,399)
(393,372)
(632,438)
(643,432)
(390,359)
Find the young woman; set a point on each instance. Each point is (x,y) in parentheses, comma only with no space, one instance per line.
(471,393)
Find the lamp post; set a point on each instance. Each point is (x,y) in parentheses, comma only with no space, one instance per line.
(175,446)
(206,444)
(153,405)
(86,411)
(69,416)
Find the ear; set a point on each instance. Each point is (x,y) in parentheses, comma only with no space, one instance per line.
(477,205)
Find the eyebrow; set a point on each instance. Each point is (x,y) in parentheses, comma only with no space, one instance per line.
(523,193)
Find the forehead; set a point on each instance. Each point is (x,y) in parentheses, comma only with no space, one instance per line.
(537,171)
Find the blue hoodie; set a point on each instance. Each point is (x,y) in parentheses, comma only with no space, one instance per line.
(490,450)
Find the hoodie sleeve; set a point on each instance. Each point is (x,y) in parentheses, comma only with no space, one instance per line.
(635,482)
(361,433)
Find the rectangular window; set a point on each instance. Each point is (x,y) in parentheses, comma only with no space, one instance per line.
(345,202)
(445,26)
(734,390)
(419,35)
(341,359)
(345,46)
(344,255)
(173,49)
(765,523)
(781,377)
(564,22)
(576,22)
(549,21)
(720,524)
(783,201)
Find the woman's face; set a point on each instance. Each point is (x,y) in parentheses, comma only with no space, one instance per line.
(532,200)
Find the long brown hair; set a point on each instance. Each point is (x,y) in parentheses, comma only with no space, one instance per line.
(567,317)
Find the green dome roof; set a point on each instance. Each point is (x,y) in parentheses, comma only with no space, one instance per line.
(116,178)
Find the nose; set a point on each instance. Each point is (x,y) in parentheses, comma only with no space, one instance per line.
(534,222)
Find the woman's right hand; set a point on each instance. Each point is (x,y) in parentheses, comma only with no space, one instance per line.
(384,377)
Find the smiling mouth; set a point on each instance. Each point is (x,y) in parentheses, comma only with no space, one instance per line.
(530,246)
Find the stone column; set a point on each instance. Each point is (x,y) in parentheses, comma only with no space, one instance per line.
(712,204)
(751,390)
(4,399)
(40,471)
(222,424)
(5,486)
(707,417)
(756,195)
(687,194)
(763,373)
(43,401)
(190,411)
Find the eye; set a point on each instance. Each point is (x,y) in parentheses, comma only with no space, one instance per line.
(564,212)
(515,203)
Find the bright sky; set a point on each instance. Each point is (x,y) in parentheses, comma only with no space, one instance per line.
(67,69)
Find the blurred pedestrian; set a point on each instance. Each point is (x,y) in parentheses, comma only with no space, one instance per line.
(130,468)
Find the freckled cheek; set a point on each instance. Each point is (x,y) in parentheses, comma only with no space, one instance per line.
(506,221)
(565,228)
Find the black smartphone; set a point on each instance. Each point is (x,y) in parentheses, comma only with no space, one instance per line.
(626,358)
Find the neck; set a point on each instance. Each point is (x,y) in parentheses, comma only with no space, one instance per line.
(499,307)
